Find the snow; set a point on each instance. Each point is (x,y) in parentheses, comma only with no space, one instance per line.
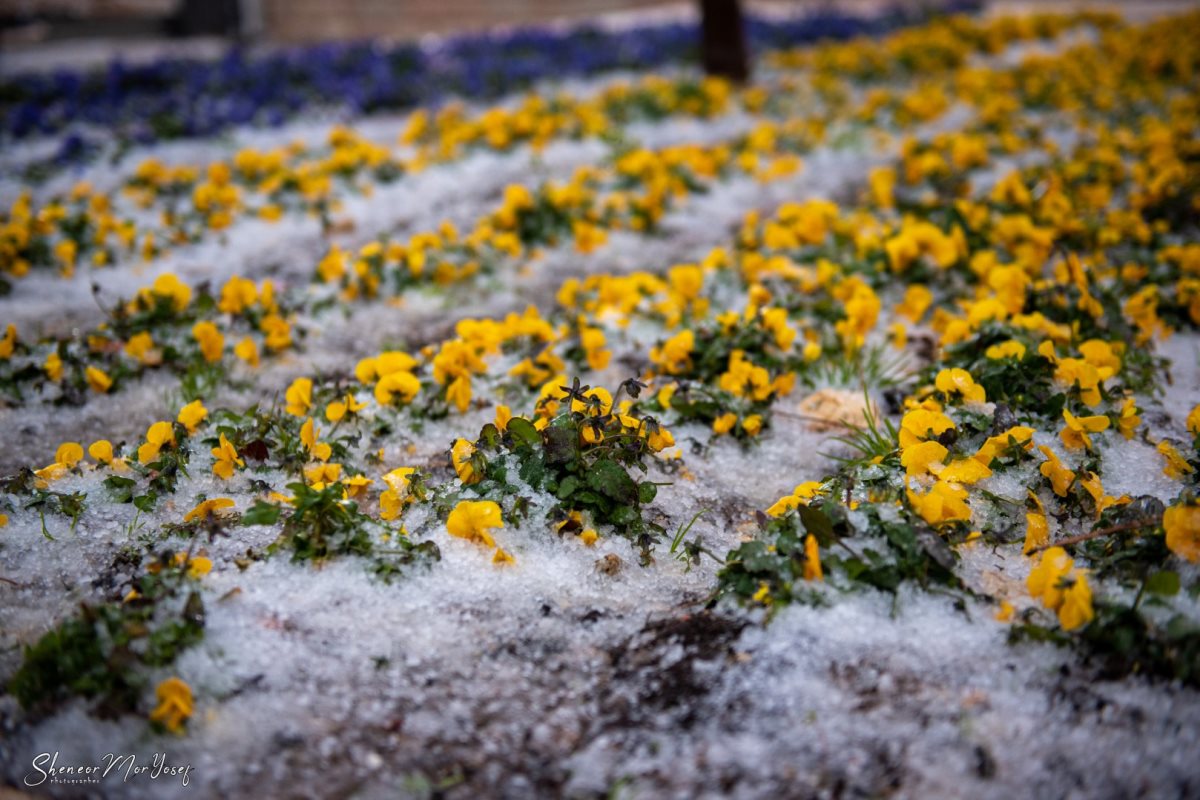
(553,677)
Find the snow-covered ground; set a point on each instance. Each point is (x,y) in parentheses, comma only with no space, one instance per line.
(575,672)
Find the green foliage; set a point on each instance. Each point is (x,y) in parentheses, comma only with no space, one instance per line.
(106,650)
(888,550)
(323,524)
(585,458)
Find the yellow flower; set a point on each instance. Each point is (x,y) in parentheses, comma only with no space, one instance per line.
(458,393)
(1060,477)
(226,459)
(208,508)
(1045,579)
(1037,530)
(211,341)
(598,402)
(966,470)
(141,347)
(921,424)
(501,557)
(171,288)
(1076,609)
(1009,349)
(751,425)
(1177,466)
(724,423)
(503,416)
(674,356)
(158,436)
(236,295)
(199,566)
(175,704)
(8,343)
(97,379)
(51,472)
(958,382)
(308,436)
(460,456)
(1182,525)
(247,351)
(53,366)
(1128,421)
(1101,355)
(299,397)
(1075,435)
(919,458)
(945,502)
(1193,420)
(473,519)
(319,475)
(1081,375)
(917,300)
(1016,436)
(69,454)
(338,409)
(402,385)
(101,451)
(393,499)
(812,560)
(356,486)
(191,415)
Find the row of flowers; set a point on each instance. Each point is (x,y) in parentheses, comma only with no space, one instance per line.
(160,207)
(633,193)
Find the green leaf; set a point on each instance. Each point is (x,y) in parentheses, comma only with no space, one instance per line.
(523,432)
(568,486)
(1165,583)
(816,522)
(145,502)
(608,478)
(647,491)
(261,514)
(560,444)
(623,515)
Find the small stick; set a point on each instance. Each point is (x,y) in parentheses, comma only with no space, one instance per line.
(1096,534)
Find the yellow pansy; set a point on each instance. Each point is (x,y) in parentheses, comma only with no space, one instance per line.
(208,508)
(1128,421)
(460,456)
(944,502)
(338,409)
(97,379)
(175,704)
(158,436)
(308,436)
(227,459)
(191,415)
(400,385)
(1177,466)
(1075,434)
(1060,477)
(921,424)
(299,397)
(474,520)
(1182,525)
(210,339)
